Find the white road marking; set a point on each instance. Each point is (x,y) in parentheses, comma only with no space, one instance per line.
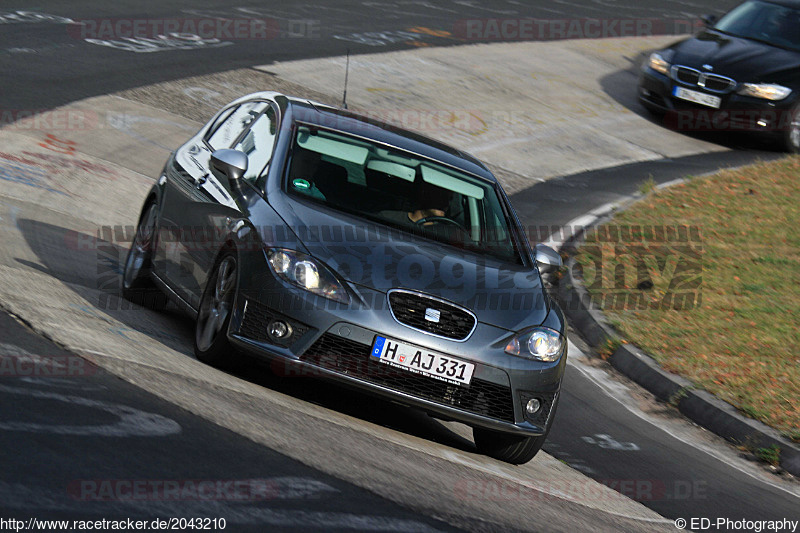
(65,383)
(132,422)
(12,350)
(607,442)
(31,17)
(171,41)
(620,393)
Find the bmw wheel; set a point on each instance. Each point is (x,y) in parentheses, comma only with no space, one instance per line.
(137,286)
(216,306)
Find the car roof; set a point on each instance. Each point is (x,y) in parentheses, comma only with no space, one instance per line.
(308,111)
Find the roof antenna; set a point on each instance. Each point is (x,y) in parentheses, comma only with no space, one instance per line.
(346,71)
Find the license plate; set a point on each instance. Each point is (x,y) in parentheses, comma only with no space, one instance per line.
(421,361)
(697,97)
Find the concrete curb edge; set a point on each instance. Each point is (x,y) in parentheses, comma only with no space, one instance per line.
(699,406)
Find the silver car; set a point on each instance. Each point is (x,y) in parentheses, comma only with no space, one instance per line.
(337,246)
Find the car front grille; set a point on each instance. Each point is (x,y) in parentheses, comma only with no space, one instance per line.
(352,358)
(710,82)
(686,75)
(431,315)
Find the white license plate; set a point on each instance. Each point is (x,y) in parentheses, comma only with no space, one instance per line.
(697,97)
(421,361)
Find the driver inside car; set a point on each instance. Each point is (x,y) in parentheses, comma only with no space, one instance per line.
(431,214)
(432,202)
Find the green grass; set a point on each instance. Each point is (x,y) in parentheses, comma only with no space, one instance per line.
(742,342)
(647,186)
(771,455)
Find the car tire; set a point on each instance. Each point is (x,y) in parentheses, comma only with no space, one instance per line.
(654,111)
(137,285)
(211,344)
(509,448)
(792,135)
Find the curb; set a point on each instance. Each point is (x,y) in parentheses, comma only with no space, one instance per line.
(699,406)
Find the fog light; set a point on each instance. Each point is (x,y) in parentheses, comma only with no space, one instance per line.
(279,329)
(533,406)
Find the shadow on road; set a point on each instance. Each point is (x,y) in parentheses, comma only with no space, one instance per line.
(91,267)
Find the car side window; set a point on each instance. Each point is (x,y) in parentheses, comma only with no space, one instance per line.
(258,144)
(220,119)
(232,127)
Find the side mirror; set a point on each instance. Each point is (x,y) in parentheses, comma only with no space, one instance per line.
(229,165)
(708,20)
(547,259)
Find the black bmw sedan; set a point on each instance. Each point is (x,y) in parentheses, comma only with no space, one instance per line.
(740,74)
(336,246)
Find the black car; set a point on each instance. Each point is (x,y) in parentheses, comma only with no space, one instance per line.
(740,74)
(337,246)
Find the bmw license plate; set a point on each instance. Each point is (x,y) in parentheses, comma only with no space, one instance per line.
(697,97)
(421,361)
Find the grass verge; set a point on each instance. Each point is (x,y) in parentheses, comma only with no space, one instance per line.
(732,243)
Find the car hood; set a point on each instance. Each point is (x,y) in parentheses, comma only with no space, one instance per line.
(371,255)
(743,60)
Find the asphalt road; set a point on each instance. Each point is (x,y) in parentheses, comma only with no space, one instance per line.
(83,445)
(44,65)
(49,63)
(601,429)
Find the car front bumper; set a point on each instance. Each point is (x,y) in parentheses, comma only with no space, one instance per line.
(736,114)
(332,341)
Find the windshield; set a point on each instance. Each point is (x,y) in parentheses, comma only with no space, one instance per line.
(401,190)
(763,21)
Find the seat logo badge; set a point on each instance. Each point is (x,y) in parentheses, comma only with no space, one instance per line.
(433,315)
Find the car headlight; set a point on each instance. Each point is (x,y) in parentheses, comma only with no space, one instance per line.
(658,63)
(767,91)
(307,273)
(542,344)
